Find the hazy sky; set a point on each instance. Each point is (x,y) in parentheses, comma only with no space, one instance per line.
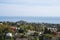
(30,8)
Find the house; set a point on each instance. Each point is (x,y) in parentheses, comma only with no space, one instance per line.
(8,35)
(40,33)
(58,33)
(30,32)
(17,35)
(14,28)
(52,29)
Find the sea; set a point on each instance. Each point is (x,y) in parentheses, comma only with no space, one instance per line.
(53,20)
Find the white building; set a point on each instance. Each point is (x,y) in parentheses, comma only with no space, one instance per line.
(9,34)
(52,29)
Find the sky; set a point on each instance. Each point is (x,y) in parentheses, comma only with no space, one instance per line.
(40,8)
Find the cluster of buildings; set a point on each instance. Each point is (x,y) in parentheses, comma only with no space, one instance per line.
(18,32)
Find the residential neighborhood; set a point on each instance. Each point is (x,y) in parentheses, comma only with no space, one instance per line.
(28,31)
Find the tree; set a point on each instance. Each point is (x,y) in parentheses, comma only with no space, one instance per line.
(46,30)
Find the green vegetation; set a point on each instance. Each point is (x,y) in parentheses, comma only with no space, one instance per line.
(5,27)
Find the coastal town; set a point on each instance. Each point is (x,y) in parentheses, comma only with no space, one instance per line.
(29,19)
(23,30)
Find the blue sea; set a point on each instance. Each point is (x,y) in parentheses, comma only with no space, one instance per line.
(54,20)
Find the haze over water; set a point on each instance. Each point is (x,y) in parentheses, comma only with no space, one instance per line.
(54,20)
